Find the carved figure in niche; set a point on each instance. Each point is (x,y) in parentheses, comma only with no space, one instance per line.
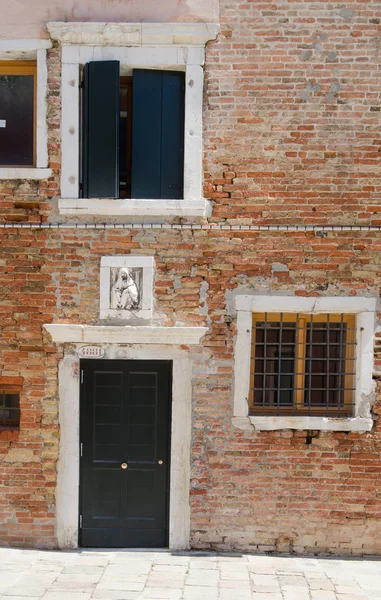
(124,292)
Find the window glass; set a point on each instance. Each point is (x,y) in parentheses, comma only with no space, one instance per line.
(9,410)
(325,364)
(125,137)
(17,107)
(274,363)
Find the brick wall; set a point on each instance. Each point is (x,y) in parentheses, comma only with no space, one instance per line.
(291,136)
(293,103)
(27,300)
(249,490)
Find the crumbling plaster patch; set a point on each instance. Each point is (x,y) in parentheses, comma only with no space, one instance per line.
(204,287)
(347,13)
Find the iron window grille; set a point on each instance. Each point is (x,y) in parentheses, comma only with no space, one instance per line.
(9,410)
(303,364)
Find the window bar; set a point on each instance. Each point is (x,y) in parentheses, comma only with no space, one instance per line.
(279,360)
(327,357)
(295,366)
(300,357)
(340,364)
(264,366)
(310,369)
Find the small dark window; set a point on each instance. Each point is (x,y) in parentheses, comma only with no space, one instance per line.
(9,409)
(17,113)
(303,364)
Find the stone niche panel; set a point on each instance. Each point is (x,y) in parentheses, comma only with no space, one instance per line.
(126,287)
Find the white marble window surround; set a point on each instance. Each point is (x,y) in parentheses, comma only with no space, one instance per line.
(363,308)
(31,49)
(178,46)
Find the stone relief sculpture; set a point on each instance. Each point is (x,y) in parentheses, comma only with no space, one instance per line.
(124,289)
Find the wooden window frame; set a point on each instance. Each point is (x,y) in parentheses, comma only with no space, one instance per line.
(298,408)
(24,67)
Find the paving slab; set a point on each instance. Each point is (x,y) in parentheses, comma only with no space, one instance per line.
(200,593)
(20,597)
(26,591)
(128,586)
(66,595)
(165,575)
(115,595)
(162,594)
(225,594)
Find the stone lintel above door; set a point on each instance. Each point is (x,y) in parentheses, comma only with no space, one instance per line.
(97,334)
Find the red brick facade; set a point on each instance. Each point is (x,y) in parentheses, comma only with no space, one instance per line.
(291,136)
(292,107)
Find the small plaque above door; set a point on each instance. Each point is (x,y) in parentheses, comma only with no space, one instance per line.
(90,352)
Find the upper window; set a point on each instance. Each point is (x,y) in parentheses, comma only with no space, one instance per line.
(302,364)
(18,90)
(133,133)
(156,170)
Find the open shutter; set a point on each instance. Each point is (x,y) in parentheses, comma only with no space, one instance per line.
(157,134)
(101,130)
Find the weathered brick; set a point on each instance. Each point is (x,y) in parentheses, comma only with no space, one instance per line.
(291,136)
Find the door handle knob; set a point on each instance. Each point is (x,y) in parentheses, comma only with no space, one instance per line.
(124,465)
(160,462)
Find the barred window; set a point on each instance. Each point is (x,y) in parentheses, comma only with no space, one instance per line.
(9,409)
(302,364)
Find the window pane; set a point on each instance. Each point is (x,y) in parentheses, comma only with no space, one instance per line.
(125,138)
(302,364)
(325,364)
(274,364)
(16,120)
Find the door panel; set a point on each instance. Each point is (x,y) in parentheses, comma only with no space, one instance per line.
(125,418)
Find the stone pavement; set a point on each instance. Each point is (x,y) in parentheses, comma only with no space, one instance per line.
(155,575)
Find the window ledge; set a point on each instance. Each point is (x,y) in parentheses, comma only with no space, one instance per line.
(24,173)
(268,423)
(111,207)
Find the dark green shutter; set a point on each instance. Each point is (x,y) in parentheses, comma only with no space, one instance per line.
(101,130)
(157,134)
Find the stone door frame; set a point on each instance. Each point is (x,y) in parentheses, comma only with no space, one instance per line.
(67,492)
